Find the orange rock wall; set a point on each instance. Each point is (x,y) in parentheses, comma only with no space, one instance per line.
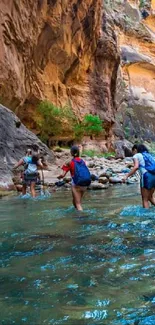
(137,45)
(64,51)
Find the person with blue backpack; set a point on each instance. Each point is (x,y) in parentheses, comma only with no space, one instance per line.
(144,162)
(31,162)
(80,174)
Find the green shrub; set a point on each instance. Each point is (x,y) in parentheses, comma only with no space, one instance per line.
(91,125)
(142,3)
(53,121)
(48,122)
(127,132)
(92,153)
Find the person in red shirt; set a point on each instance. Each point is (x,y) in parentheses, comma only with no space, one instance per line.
(77,191)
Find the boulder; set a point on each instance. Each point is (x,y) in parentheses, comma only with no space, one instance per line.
(98,186)
(115,180)
(123,148)
(103,180)
(15,138)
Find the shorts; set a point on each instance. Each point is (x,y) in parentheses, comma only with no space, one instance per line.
(30,178)
(78,186)
(148,181)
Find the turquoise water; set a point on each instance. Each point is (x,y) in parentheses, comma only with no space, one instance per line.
(57,267)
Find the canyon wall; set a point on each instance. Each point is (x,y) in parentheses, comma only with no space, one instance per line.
(135,25)
(69,51)
(64,51)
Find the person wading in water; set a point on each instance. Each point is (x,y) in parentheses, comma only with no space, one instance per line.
(145,164)
(31,163)
(80,174)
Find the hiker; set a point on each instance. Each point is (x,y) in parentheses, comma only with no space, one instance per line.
(81,178)
(18,178)
(145,164)
(30,174)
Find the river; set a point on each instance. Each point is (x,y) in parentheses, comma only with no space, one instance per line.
(59,268)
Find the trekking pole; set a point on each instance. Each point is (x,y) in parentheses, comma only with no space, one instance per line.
(43,182)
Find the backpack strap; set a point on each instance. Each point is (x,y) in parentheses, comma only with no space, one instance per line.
(74,160)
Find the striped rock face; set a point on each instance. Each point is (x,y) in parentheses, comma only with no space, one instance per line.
(63,51)
(136,96)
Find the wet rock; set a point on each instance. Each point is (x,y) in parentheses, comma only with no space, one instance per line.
(121,146)
(90,164)
(98,186)
(60,183)
(67,186)
(103,180)
(115,180)
(94,177)
(67,179)
(103,174)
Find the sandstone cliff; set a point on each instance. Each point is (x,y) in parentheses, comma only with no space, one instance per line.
(135,25)
(68,52)
(63,51)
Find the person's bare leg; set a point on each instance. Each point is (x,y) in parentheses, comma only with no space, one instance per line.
(73,200)
(24,189)
(151,197)
(77,198)
(145,197)
(32,189)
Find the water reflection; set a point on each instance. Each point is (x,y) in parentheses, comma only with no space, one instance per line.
(59,267)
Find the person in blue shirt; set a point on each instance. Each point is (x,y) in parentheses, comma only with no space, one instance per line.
(147,179)
(31,162)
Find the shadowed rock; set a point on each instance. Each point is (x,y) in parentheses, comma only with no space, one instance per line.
(15,138)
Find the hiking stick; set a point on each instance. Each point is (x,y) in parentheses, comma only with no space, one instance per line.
(43,182)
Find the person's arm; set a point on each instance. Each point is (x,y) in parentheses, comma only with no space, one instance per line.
(39,164)
(133,170)
(18,164)
(44,163)
(62,175)
(66,169)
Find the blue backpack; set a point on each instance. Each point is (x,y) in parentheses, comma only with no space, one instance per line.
(30,168)
(149,162)
(82,175)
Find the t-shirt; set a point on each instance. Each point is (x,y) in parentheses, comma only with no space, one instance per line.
(141,161)
(30,167)
(70,166)
(27,160)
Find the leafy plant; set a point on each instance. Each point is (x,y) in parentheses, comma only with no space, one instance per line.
(53,121)
(91,125)
(48,122)
(92,153)
(142,3)
(127,132)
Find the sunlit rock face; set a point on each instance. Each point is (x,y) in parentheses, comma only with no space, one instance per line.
(64,51)
(136,79)
(69,53)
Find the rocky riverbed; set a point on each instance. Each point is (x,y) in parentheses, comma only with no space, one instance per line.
(105,171)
